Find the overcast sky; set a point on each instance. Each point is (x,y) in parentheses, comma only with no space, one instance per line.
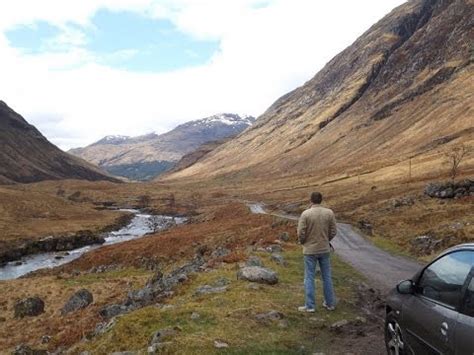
(82,69)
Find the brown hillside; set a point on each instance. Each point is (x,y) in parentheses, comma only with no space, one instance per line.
(403,89)
(27,156)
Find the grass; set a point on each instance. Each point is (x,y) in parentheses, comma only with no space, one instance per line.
(230,316)
(134,274)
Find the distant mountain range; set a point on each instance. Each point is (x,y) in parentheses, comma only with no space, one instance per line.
(27,156)
(403,89)
(147,156)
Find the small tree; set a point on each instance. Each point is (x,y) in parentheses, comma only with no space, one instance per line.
(455,156)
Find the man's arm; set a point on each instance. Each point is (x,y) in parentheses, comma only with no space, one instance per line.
(302,229)
(332,227)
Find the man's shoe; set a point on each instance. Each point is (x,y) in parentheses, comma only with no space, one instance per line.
(305,309)
(329,308)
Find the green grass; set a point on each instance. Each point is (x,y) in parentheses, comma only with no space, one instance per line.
(230,316)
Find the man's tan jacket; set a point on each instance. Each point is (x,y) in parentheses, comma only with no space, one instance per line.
(316,228)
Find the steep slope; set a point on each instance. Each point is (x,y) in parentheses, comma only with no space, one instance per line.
(144,157)
(27,156)
(401,90)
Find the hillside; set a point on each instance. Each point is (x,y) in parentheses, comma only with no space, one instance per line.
(27,156)
(402,90)
(145,157)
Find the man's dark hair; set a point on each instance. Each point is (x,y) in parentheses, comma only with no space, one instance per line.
(316,197)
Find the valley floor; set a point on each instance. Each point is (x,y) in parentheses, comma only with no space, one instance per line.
(391,214)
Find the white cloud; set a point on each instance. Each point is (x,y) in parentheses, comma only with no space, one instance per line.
(266,49)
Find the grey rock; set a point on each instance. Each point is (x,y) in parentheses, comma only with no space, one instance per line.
(219,344)
(113,310)
(157,348)
(195,316)
(254,260)
(271,316)
(81,299)
(104,327)
(338,326)
(284,237)
(258,274)
(45,339)
(220,252)
(279,259)
(24,349)
(274,248)
(29,307)
(221,281)
(207,289)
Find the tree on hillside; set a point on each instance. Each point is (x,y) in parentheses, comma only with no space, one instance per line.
(455,156)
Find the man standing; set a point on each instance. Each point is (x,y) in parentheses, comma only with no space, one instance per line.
(316,228)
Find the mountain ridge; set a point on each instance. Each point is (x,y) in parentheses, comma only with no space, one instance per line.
(144,157)
(27,156)
(391,86)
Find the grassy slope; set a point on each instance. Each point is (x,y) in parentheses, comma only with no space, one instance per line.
(230,316)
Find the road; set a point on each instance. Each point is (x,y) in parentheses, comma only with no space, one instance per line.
(382,269)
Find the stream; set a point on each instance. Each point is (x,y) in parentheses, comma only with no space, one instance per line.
(137,228)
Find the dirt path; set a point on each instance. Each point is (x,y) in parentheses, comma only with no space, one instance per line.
(382,269)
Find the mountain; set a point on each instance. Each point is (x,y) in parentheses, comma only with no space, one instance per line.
(403,89)
(145,157)
(27,156)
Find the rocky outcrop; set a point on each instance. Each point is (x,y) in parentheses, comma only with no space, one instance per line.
(79,300)
(50,244)
(159,287)
(450,189)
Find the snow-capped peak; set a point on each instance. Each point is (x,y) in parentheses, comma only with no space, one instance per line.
(115,138)
(229,119)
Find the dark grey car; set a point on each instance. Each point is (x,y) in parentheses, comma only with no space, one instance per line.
(433,313)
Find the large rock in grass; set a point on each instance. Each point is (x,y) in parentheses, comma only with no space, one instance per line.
(29,307)
(81,299)
(258,274)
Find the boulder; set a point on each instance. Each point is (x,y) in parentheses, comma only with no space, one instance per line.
(258,274)
(29,307)
(254,260)
(79,300)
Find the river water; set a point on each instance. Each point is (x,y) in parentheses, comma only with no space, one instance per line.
(137,228)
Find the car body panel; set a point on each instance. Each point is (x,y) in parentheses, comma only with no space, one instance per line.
(421,319)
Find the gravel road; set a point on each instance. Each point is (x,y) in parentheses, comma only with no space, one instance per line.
(382,269)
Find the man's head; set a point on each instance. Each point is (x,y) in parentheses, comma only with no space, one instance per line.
(316,198)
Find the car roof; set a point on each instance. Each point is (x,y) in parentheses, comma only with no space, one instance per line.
(465,246)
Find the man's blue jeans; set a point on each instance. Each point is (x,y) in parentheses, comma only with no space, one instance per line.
(310,262)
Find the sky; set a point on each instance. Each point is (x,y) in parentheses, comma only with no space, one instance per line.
(82,69)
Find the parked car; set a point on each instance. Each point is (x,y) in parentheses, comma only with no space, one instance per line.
(433,313)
